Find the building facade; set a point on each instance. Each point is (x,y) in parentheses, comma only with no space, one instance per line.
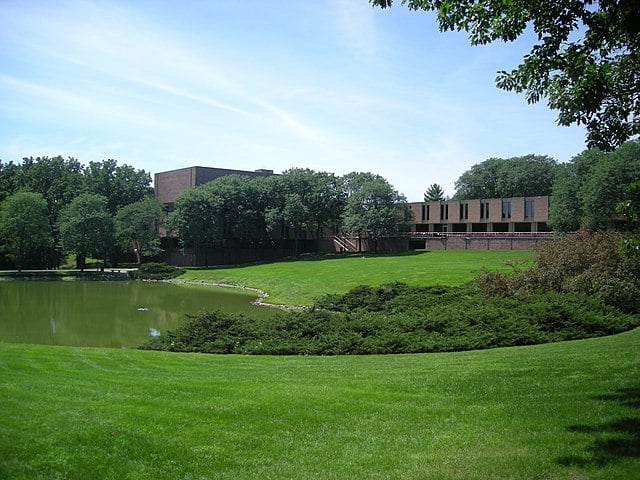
(494,215)
(492,224)
(168,185)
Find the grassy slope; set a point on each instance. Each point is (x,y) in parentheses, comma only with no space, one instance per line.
(556,411)
(299,282)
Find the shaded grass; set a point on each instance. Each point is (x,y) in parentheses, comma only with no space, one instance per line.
(556,411)
(299,282)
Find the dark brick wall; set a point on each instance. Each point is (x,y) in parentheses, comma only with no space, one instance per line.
(168,185)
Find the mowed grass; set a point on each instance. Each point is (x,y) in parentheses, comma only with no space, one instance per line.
(555,411)
(299,282)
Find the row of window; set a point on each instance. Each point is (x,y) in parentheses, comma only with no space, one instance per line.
(529,210)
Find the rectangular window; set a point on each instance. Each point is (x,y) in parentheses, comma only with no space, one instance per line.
(506,209)
(464,211)
(424,211)
(529,208)
(484,210)
(427,212)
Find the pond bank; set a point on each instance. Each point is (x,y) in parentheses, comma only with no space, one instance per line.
(259,301)
(65,275)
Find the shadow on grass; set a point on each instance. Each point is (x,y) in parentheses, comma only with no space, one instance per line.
(615,440)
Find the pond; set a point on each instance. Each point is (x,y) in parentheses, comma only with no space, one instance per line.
(107,314)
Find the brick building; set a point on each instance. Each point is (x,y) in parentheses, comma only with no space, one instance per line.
(493,224)
(168,185)
(494,215)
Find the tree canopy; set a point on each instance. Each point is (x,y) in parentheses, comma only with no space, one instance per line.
(586,62)
(24,226)
(528,176)
(136,227)
(59,181)
(592,186)
(374,208)
(86,228)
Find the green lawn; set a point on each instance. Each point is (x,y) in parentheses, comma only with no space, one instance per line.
(555,411)
(299,282)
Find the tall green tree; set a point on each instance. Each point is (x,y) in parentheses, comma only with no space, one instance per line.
(305,201)
(136,227)
(435,193)
(195,221)
(120,184)
(238,204)
(374,209)
(527,176)
(585,62)
(24,227)
(605,186)
(589,188)
(9,179)
(59,180)
(86,228)
(629,205)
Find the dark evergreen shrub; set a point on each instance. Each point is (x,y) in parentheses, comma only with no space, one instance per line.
(401,319)
(157,271)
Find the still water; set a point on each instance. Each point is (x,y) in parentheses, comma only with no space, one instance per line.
(106,314)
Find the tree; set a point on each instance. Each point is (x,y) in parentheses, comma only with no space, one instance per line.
(629,206)
(304,201)
(527,176)
(590,188)
(194,220)
(59,181)
(120,184)
(9,179)
(373,209)
(136,227)
(86,228)
(434,193)
(586,62)
(605,186)
(238,205)
(24,227)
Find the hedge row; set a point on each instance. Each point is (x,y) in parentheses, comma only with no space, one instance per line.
(397,318)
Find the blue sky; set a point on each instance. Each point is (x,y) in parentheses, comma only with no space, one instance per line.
(331,85)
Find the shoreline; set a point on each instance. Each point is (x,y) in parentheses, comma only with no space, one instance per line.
(258,302)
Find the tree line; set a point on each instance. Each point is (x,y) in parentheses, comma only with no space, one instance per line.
(596,189)
(295,205)
(52,206)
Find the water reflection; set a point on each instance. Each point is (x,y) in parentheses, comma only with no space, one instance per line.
(106,314)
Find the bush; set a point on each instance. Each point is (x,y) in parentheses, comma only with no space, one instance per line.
(157,271)
(595,264)
(398,318)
